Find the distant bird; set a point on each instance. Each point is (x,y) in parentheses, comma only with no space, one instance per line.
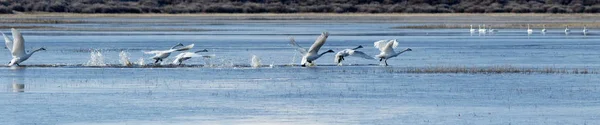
(188,55)
(483,30)
(567,30)
(529,30)
(17,48)
(387,50)
(308,57)
(492,30)
(472,30)
(585,30)
(544,30)
(162,54)
(339,57)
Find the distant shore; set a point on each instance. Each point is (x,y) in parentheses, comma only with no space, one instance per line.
(449,20)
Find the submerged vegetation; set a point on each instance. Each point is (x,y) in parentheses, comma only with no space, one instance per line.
(301,6)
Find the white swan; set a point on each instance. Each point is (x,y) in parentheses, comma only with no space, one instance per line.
(387,50)
(544,30)
(483,30)
(308,57)
(567,30)
(492,30)
(188,55)
(17,48)
(162,54)
(472,30)
(339,57)
(529,30)
(585,30)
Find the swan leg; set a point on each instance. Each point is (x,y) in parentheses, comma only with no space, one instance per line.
(386,62)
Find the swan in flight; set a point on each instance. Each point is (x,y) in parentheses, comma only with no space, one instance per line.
(310,55)
(188,55)
(387,50)
(567,30)
(544,28)
(472,30)
(17,48)
(162,54)
(585,30)
(339,57)
(529,30)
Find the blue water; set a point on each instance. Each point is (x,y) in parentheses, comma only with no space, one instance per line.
(361,94)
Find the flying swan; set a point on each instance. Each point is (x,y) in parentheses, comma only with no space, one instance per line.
(188,55)
(339,57)
(387,50)
(17,48)
(162,54)
(308,57)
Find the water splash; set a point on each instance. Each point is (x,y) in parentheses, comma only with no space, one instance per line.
(96,59)
(140,61)
(124,58)
(255,61)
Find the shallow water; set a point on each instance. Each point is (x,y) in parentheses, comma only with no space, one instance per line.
(61,89)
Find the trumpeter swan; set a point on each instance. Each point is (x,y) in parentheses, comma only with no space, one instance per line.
(162,54)
(188,55)
(339,57)
(310,55)
(567,30)
(17,48)
(472,30)
(387,50)
(585,30)
(529,30)
(544,28)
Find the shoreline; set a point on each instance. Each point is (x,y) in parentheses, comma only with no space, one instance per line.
(424,20)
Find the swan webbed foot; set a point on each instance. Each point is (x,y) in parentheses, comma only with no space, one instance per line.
(156,61)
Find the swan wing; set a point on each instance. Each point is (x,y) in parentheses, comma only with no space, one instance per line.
(298,47)
(389,48)
(188,47)
(360,54)
(380,44)
(19,44)
(8,42)
(318,43)
(159,51)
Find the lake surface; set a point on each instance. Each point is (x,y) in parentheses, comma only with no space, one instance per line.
(60,87)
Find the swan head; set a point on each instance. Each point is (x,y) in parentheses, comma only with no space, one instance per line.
(42,48)
(329,51)
(325,34)
(360,46)
(201,51)
(408,49)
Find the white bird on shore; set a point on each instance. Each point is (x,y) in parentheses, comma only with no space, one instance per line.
(529,30)
(472,30)
(339,57)
(585,30)
(188,55)
(387,50)
(308,57)
(544,30)
(17,48)
(567,30)
(162,54)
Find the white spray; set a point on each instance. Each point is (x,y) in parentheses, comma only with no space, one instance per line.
(124,58)
(255,61)
(96,59)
